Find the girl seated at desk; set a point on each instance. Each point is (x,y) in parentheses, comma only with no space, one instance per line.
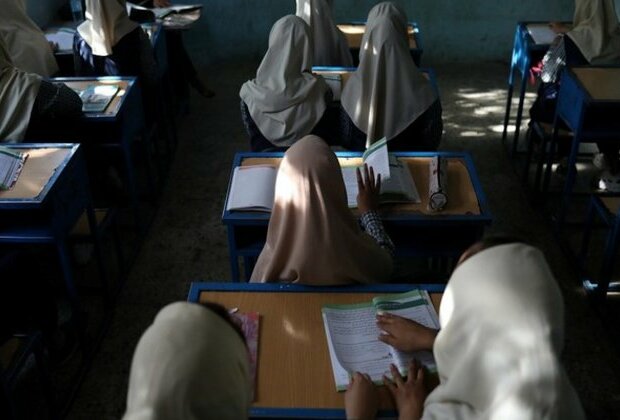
(388,96)
(29,104)
(191,363)
(498,350)
(313,237)
(285,101)
(594,39)
(26,43)
(330,44)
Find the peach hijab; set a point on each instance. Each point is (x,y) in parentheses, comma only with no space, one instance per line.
(596,31)
(502,333)
(106,23)
(313,237)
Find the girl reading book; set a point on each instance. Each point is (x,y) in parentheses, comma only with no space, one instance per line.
(498,350)
(191,363)
(388,96)
(313,237)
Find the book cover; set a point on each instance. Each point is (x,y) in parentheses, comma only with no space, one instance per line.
(96,98)
(352,336)
(250,324)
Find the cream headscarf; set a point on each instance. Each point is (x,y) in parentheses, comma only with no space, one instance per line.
(596,31)
(502,332)
(330,44)
(313,237)
(189,364)
(106,23)
(25,41)
(286,100)
(18,91)
(387,92)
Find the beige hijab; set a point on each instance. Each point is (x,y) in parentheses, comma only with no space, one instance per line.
(387,92)
(286,100)
(330,44)
(106,23)
(313,238)
(26,43)
(596,31)
(189,364)
(502,332)
(18,91)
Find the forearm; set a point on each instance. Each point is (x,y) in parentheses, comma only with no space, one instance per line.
(372,224)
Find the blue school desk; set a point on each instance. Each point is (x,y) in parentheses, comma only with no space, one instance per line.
(117,126)
(525,52)
(414,231)
(47,200)
(354,31)
(294,374)
(585,94)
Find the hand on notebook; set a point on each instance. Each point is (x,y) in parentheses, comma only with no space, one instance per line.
(559,27)
(404,334)
(161,3)
(408,393)
(361,400)
(368,188)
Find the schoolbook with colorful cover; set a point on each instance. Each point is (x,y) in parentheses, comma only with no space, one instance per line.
(96,98)
(250,324)
(11,165)
(352,336)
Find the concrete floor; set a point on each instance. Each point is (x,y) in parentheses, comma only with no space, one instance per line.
(187,242)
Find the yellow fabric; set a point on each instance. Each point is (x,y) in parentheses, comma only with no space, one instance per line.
(387,92)
(106,23)
(26,43)
(502,332)
(18,91)
(596,31)
(189,364)
(330,44)
(312,236)
(285,99)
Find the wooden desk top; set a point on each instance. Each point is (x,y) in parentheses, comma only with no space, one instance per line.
(115,104)
(294,370)
(603,84)
(354,33)
(462,198)
(38,169)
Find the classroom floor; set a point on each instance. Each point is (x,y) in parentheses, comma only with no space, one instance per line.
(187,242)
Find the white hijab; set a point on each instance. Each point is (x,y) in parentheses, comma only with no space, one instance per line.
(286,100)
(596,31)
(106,23)
(25,41)
(189,364)
(387,92)
(502,332)
(330,44)
(18,91)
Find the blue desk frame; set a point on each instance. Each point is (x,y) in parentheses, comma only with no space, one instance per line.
(118,130)
(573,106)
(49,217)
(247,231)
(196,288)
(523,51)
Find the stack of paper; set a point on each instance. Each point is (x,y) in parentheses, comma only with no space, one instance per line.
(11,164)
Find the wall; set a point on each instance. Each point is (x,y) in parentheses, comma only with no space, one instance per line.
(43,11)
(461,30)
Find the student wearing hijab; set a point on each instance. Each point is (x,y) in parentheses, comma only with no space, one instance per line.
(330,44)
(388,96)
(594,39)
(313,237)
(285,101)
(26,43)
(191,363)
(28,102)
(498,350)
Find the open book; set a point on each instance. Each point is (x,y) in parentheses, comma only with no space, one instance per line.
(11,165)
(252,188)
(96,98)
(352,332)
(397,184)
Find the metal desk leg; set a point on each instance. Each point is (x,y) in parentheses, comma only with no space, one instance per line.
(511,78)
(571,175)
(515,140)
